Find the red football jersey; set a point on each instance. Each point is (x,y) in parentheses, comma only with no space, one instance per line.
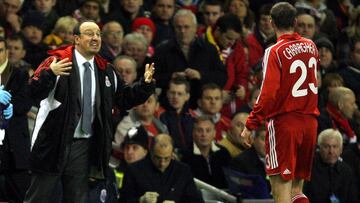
(289,83)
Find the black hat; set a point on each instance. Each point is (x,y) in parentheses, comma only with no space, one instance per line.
(34,18)
(136,135)
(325,42)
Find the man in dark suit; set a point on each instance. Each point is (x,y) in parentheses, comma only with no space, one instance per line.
(72,137)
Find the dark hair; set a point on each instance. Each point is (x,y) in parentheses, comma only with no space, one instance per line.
(16,37)
(209,86)
(283,15)
(181,81)
(214,3)
(2,39)
(76,30)
(229,22)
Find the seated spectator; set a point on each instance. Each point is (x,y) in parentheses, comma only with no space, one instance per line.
(125,67)
(211,12)
(306,26)
(253,97)
(232,141)
(143,114)
(225,37)
(48,9)
(135,46)
(89,10)
(177,117)
(339,112)
(210,104)
(62,33)
(330,81)
(9,17)
(188,56)
(351,73)
(128,11)
(146,27)
(159,178)
(162,13)
(17,52)
(332,180)
(263,33)
(326,53)
(112,40)
(351,156)
(252,160)
(207,158)
(244,13)
(36,50)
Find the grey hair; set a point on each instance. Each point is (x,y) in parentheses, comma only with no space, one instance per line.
(185,12)
(135,37)
(124,57)
(330,133)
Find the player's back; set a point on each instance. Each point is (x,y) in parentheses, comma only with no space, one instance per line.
(298,61)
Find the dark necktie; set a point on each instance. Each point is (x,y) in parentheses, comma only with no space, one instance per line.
(86,114)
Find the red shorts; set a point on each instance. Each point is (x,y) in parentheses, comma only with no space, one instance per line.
(290,145)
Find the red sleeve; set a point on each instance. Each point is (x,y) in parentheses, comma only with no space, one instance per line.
(45,65)
(269,88)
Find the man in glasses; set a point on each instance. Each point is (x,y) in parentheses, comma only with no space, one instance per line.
(72,136)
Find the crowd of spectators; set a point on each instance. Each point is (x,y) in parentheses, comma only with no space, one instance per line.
(208,72)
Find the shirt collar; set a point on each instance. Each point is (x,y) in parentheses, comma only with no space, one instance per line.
(81,60)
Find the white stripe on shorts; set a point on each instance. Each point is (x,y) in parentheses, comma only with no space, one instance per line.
(272,143)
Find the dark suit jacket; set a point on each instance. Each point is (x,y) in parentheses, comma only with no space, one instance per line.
(17,139)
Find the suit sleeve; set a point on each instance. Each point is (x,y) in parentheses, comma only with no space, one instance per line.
(269,88)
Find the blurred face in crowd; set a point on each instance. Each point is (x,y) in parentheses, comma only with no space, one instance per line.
(259,143)
(88,42)
(16,51)
(211,101)
(113,34)
(203,133)
(66,34)
(146,110)
(33,34)
(355,55)
(131,6)
(237,126)
(90,10)
(44,6)
(305,26)
(126,70)
(211,14)
(2,32)
(164,9)
(185,29)
(3,53)
(347,105)
(136,50)
(226,39)
(147,32)
(9,7)
(133,153)
(330,150)
(265,25)
(161,157)
(326,57)
(177,96)
(238,7)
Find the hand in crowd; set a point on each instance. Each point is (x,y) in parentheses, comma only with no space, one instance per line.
(192,73)
(62,67)
(14,20)
(149,197)
(8,112)
(247,140)
(149,72)
(5,96)
(227,97)
(240,92)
